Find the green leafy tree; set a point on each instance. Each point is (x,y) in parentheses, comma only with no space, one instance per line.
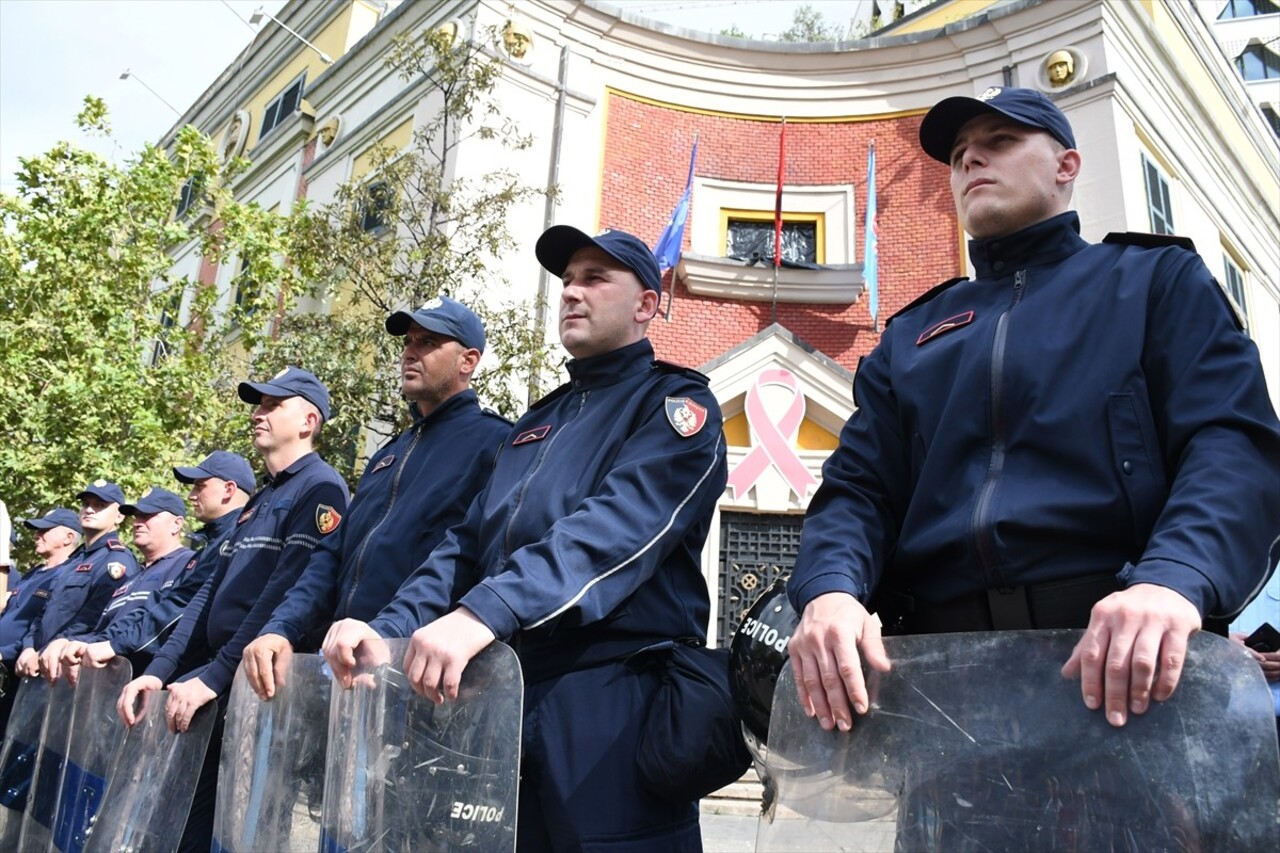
(411,230)
(111,366)
(808,25)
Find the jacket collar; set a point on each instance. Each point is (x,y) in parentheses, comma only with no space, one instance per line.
(1043,243)
(612,366)
(464,398)
(305,461)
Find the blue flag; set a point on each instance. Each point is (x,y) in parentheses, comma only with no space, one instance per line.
(667,250)
(871,253)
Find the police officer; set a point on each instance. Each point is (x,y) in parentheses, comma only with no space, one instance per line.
(583,548)
(220,487)
(414,489)
(57,537)
(78,597)
(303,501)
(1080,437)
(158,517)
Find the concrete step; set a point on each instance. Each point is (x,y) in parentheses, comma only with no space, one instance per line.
(741,798)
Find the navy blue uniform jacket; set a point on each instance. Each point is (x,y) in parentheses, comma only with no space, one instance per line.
(586,543)
(151,579)
(30,594)
(1077,409)
(81,592)
(274,536)
(144,628)
(413,490)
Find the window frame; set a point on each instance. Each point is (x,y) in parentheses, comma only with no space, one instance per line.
(1165,223)
(1233,285)
(273,115)
(729,215)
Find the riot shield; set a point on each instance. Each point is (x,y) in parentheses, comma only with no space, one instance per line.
(46,780)
(271,775)
(976,742)
(18,757)
(96,737)
(407,775)
(152,784)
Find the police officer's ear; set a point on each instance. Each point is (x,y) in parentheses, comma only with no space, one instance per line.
(468,363)
(1068,166)
(648,306)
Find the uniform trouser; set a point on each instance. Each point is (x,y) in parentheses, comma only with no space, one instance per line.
(580,789)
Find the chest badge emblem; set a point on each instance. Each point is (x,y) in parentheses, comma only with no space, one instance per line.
(532,435)
(947,325)
(685,416)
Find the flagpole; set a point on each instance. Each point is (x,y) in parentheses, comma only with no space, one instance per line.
(777,216)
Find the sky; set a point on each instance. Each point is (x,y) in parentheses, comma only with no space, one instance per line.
(55,52)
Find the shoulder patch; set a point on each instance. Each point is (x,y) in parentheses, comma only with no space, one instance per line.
(246,515)
(531,435)
(685,416)
(680,370)
(115,570)
(115,545)
(925,297)
(1149,241)
(945,326)
(384,462)
(327,519)
(84,567)
(41,593)
(554,395)
(191,564)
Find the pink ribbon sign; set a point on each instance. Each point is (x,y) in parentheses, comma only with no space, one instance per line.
(775,438)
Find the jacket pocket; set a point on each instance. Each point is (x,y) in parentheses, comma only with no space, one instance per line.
(1137,460)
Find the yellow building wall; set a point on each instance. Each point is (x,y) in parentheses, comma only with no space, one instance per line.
(396,139)
(811,436)
(945,14)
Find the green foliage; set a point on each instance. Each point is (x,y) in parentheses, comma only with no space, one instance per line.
(807,25)
(411,230)
(100,378)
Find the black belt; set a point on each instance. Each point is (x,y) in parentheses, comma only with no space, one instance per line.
(1053,604)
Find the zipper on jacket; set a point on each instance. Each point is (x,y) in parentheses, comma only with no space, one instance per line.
(395,491)
(511,522)
(983,535)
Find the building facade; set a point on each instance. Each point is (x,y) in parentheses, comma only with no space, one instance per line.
(1172,143)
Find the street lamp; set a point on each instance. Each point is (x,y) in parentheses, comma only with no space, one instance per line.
(259,14)
(126,74)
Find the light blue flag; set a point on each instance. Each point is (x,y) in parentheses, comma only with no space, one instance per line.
(871,253)
(667,251)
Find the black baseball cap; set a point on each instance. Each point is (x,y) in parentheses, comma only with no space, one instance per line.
(155,499)
(558,243)
(224,465)
(444,316)
(290,382)
(59,516)
(101,489)
(1025,106)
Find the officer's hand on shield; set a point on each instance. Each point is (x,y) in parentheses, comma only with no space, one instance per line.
(51,659)
(439,652)
(98,654)
(185,698)
(28,663)
(825,662)
(265,661)
(1133,649)
(70,657)
(351,646)
(132,698)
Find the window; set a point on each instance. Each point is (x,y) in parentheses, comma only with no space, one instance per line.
(192,193)
(1233,284)
(246,291)
(1273,119)
(1247,9)
(1158,202)
(284,105)
(168,319)
(1256,62)
(752,240)
(755,550)
(376,206)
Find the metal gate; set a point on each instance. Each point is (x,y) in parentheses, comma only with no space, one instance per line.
(755,550)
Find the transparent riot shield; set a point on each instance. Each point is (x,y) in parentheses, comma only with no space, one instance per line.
(18,757)
(46,779)
(976,742)
(152,784)
(95,739)
(271,775)
(407,775)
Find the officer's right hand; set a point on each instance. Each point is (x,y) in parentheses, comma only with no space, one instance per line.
(133,697)
(265,661)
(352,644)
(50,659)
(28,663)
(825,660)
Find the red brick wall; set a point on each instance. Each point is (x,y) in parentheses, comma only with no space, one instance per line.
(646,162)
